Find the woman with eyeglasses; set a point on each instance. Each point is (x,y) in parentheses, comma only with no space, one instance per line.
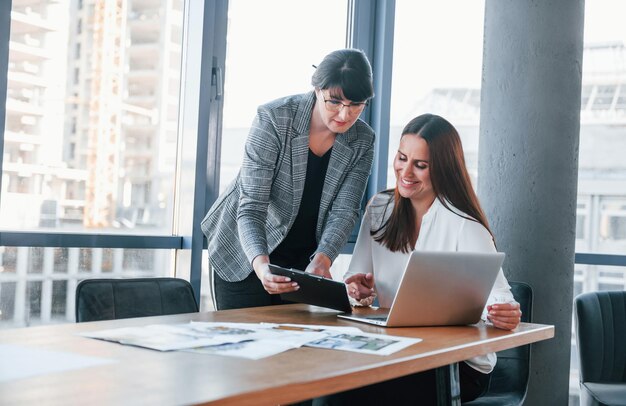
(433,207)
(298,192)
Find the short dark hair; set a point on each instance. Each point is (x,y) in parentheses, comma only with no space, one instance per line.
(347,69)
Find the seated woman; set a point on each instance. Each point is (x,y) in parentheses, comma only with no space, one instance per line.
(432,208)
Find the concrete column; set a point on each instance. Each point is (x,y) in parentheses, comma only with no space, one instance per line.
(528,163)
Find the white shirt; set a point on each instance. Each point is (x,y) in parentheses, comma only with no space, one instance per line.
(441,230)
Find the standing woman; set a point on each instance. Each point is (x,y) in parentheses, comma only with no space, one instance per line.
(298,192)
(432,208)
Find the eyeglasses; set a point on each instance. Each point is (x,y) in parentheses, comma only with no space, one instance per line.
(336,106)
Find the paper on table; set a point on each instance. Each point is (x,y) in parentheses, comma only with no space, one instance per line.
(354,339)
(19,362)
(271,339)
(247,349)
(317,327)
(252,340)
(172,337)
(377,344)
(269,332)
(334,337)
(201,334)
(154,337)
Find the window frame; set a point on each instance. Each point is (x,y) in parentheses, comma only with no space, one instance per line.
(370,27)
(204,49)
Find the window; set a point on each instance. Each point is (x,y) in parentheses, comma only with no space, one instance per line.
(613,222)
(604,97)
(617,227)
(122,100)
(97,125)
(258,72)
(37,284)
(601,214)
(81,125)
(580,227)
(435,71)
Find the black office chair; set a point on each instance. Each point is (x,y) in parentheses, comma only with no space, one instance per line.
(509,379)
(601,340)
(109,299)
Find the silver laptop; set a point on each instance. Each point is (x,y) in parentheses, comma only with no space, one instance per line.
(439,289)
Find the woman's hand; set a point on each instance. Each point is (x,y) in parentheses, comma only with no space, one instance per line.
(273,284)
(360,286)
(320,265)
(506,316)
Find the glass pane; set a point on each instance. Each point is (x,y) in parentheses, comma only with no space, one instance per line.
(37,285)
(601,166)
(92,112)
(436,70)
(590,278)
(620,102)
(602,169)
(275,62)
(603,97)
(611,233)
(583,216)
(206,294)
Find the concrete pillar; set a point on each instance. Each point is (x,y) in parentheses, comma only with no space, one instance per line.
(528,163)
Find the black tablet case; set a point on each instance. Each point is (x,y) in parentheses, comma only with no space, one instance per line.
(315,290)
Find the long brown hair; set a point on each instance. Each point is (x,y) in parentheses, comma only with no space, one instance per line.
(448,175)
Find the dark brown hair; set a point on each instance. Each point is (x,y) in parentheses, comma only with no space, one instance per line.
(448,175)
(346,69)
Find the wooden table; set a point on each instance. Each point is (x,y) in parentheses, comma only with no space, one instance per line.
(143,376)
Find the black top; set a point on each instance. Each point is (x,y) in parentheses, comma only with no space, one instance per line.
(300,243)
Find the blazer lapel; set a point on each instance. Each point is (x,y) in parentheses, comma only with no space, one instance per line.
(340,158)
(299,157)
(300,149)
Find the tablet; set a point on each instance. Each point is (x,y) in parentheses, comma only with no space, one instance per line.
(314,290)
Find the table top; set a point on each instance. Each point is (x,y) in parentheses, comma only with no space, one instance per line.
(141,375)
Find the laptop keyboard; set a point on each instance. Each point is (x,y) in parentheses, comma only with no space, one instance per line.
(376,317)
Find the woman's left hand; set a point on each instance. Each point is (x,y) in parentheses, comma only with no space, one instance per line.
(506,316)
(320,265)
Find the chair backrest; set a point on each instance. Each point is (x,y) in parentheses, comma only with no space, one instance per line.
(509,379)
(109,299)
(601,336)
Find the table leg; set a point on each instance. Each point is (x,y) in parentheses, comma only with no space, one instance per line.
(448,385)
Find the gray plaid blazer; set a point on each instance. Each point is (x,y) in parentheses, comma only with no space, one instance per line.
(258,208)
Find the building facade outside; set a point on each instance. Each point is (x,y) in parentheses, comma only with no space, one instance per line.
(90,143)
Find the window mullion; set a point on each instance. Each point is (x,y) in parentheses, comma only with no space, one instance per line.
(371,28)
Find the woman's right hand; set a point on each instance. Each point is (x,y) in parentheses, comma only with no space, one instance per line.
(360,286)
(273,284)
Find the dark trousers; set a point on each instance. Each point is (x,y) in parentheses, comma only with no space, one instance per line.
(246,293)
(417,389)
